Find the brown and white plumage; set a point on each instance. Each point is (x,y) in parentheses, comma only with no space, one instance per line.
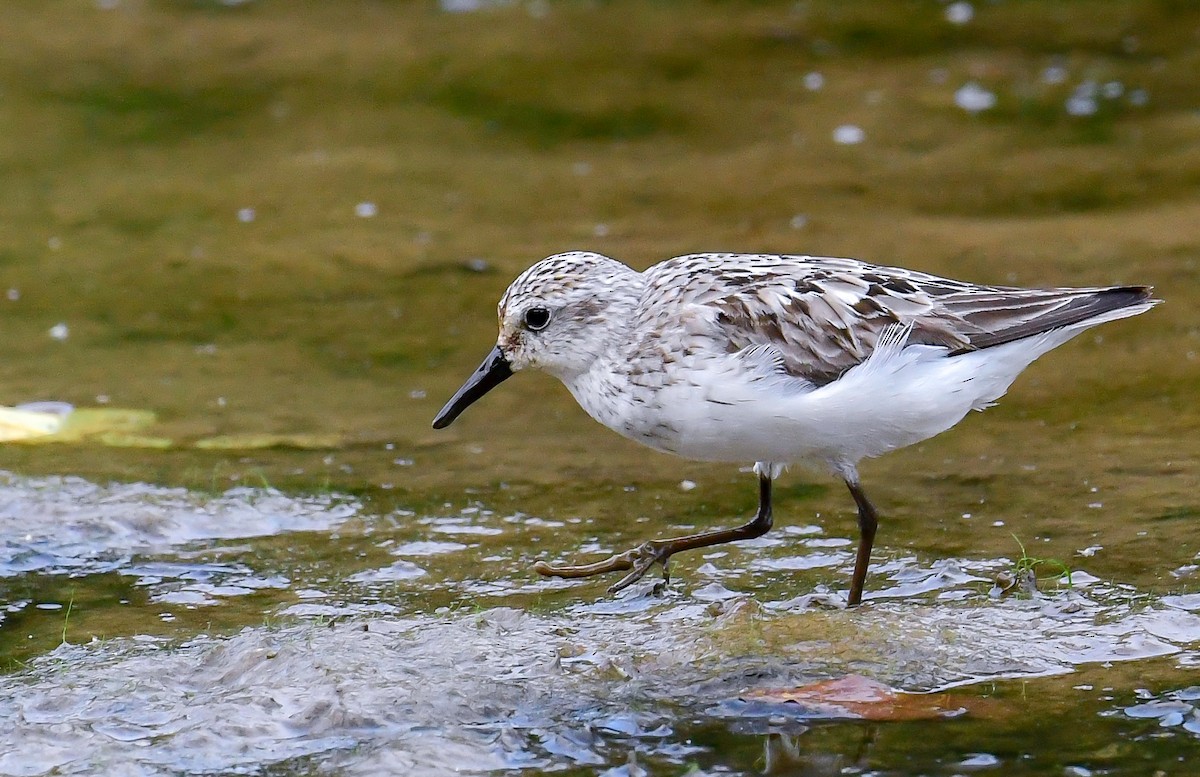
(825,315)
(778,359)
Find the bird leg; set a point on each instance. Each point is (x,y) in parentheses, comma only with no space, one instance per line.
(640,559)
(868,520)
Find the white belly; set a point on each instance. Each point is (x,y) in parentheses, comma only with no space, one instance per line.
(725,413)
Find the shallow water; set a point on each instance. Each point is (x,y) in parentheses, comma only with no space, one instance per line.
(268,241)
(234,631)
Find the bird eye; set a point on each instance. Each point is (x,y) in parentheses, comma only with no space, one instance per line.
(536,319)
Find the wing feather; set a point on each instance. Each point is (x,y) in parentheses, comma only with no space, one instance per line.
(822,316)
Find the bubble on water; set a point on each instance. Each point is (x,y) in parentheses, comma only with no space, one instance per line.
(799,221)
(1112,90)
(13,294)
(973,98)
(59,331)
(1054,74)
(246,215)
(849,135)
(814,81)
(960,12)
(1078,105)
(471,6)
(1082,101)
(600,230)
(365,210)
(1139,97)
(687,485)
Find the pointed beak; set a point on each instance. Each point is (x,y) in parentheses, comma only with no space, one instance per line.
(494,371)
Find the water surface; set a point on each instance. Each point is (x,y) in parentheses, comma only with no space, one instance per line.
(278,234)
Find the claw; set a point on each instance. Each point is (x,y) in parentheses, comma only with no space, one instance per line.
(647,554)
(638,560)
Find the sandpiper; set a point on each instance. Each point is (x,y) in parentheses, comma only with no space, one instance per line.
(774,359)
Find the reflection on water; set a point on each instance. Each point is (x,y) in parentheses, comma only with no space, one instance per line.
(366,681)
(1173,708)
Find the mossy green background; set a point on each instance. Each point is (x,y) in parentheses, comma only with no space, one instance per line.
(132,136)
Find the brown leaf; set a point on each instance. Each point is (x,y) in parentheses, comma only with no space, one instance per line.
(858,697)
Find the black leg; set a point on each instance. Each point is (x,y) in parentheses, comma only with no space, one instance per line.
(868,521)
(641,558)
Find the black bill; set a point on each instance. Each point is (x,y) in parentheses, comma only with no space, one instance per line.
(491,373)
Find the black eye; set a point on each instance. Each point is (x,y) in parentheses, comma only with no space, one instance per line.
(536,319)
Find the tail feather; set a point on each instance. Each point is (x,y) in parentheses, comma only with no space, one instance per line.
(1063,308)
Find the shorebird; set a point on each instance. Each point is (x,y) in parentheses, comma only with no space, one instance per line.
(774,359)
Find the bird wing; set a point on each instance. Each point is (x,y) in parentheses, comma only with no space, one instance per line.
(823,316)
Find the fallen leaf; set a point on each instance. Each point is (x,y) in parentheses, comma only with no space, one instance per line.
(861,698)
(118,426)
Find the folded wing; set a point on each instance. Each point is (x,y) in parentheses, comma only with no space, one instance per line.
(824,316)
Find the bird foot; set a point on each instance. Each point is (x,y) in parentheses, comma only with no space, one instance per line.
(638,560)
